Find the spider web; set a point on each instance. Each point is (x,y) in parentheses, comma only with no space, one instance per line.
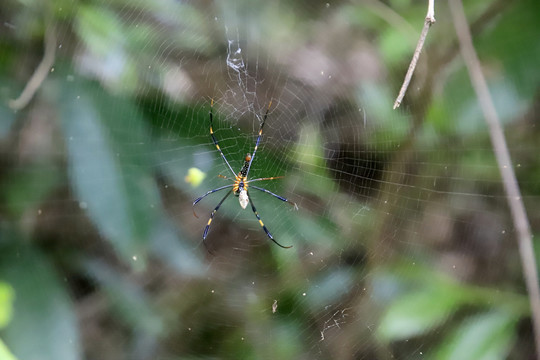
(388,201)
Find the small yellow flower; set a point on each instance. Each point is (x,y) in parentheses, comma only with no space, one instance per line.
(195,176)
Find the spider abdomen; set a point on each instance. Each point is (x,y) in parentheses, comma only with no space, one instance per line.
(243,198)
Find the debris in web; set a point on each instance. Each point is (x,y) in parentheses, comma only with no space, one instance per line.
(337,319)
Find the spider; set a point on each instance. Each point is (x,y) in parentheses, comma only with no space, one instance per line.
(240,184)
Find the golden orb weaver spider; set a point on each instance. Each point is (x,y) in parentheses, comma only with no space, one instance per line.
(240,184)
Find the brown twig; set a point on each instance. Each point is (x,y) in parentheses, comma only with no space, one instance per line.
(40,73)
(430,19)
(502,155)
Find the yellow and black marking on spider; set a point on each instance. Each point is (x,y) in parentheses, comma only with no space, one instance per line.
(240,184)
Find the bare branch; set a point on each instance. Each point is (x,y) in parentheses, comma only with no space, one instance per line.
(430,19)
(504,162)
(40,73)
(431,11)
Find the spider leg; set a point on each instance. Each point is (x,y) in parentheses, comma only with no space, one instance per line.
(215,140)
(276,195)
(264,226)
(258,137)
(225,177)
(266,178)
(212,216)
(208,193)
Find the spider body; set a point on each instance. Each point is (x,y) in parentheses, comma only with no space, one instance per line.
(240,183)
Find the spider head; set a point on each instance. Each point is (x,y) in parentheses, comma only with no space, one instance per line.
(248,157)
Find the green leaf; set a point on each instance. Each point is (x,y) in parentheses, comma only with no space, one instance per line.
(390,126)
(309,151)
(419,312)
(108,168)
(22,190)
(126,297)
(512,43)
(316,229)
(8,119)
(6,304)
(395,46)
(330,288)
(99,28)
(174,251)
(5,354)
(43,325)
(482,337)
(309,155)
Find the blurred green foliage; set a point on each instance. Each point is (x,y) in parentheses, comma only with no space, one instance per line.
(403,247)
(6,309)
